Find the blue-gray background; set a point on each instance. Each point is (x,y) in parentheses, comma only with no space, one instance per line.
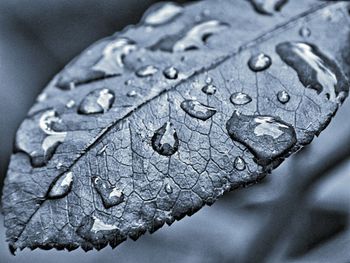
(298,214)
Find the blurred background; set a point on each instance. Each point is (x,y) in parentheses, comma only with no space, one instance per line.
(300,213)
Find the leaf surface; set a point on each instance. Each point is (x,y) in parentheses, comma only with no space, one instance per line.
(149,125)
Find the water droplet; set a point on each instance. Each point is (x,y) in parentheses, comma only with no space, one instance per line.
(59,166)
(283,96)
(164,14)
(209,80)
(240,98)
(110,195)
(209,89)
(165,140)
(70,104)
(197,37)
(268,7)
(266,137)
(170,73)
(198,110)
(42,97)
(168,188)
(314,69)
(239,163)
(131,93)
(112,61)
(305,32)
(51,141)
(62,186)
(259,62)
(146,71)
(97,101)
(102,150)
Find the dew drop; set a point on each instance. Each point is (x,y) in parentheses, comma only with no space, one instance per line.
(62,186)
(239,163)
(197,37)
(259,62)
(268,7)
(165,140)
(131,93)
(209,80)
(314,69)
(268,138)
(112,61)
(170,73)
(164,14)
(198,110)
(146,71)
(168,188)
(97,101)
(305,32)
(283,96)
(42,97)
(209,89)
(110,195)
(240,98)
(70,104)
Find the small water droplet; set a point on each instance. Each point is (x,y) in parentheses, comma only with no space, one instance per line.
(168,188)
(266,137)
(240,98)
(314,69)
(97,101)
(62,186)
(283,96)
(146,71)
(111,196)
(198,110)
(59,166)
(268,7)
(239,163)
(164,14)
(112,61)
(209,89)
(70,104)
(165,140)
(131,93)
(197,37)
(170,73)
(305,32)
(42,97)
(259,62)
(209,80)
(102,150)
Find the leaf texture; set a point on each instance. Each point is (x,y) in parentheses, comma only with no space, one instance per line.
(150,124)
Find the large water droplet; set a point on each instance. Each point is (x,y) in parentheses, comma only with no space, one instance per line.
(239,163)
(266,137)
(97,101)
(283,96)
(305,32)
(146,71)
(209,89)
(314,69)
(259,62)
(170,73)
(198,110)
(197,37)
(51,141)
(110,195)
(165,140)
(112,61)
(164,14)
(268,7)
(168,188)
(240,98)
(62,186)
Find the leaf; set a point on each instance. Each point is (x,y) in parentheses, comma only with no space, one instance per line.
(149,125)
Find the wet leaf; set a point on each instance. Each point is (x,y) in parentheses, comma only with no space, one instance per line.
(147,126)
